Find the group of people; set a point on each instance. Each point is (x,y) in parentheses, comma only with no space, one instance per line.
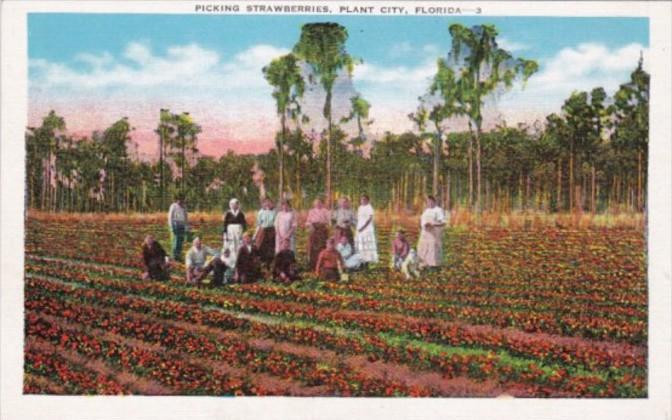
(339,241)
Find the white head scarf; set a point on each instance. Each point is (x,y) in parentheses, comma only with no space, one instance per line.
(231,203)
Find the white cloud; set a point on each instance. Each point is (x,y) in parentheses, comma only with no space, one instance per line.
(582,67)
(588,64)
(95,61)
(244,71)
(511,46)
(579,68)
(180,67)
(371,73)
(400,49)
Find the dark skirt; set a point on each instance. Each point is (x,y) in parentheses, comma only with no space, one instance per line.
(317,241)
(265,242)
(157,269)
(330,274)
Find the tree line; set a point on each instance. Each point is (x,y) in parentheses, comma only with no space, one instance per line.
(590,156)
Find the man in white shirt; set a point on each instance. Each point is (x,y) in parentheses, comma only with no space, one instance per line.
(195,261)
(177,222)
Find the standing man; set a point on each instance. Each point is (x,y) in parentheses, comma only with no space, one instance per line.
(177,221)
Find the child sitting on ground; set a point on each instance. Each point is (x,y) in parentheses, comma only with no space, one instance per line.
(404,258)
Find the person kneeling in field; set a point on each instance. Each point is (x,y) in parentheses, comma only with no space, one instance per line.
(329,263)
(351,260)
(285,269)
(248,262)
(195,261)
(222,267)
(155,259)
(404,258)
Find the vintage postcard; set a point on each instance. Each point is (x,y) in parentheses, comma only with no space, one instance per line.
(327,209)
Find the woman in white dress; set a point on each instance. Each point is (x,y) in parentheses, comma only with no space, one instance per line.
(365,239)
(430,247)
(234,227)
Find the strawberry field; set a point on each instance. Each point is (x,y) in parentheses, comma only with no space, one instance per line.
(541,311)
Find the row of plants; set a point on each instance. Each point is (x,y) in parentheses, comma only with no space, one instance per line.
(231,350)
(71,377)
(631,331)
(546,351)
(478,366)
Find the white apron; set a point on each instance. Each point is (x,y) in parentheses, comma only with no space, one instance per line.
(233,239)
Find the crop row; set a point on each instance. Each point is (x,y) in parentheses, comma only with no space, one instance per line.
(588,355)
(595,328)
(231,350)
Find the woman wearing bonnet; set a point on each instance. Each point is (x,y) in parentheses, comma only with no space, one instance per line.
(234,227)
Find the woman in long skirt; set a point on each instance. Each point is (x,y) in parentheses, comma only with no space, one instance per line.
(265,234)
(365,241)
(285,227)
(234,227)
(318,226)
(430,247)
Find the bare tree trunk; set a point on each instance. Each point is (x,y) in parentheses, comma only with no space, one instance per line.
(298,200)
(448,203)
(592,189)
(281,153)
(584,191)
(184,163)
(520,191)
(478,168)
(470,167)
(640,207)
(328,102)
(559,192)
(571,177)
(435,167)
(527,191)
(162,184)
(45,182)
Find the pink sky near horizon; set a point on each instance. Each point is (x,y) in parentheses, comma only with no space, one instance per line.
(249,130)
(239,131)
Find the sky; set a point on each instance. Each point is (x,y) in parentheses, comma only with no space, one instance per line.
(96,68)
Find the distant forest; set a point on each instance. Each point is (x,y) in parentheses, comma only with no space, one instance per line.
(590,156)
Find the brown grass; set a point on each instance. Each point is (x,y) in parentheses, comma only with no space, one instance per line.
(458,218)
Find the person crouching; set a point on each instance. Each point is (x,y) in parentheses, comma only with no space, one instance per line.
(248,262)
(285,269)
(195,261)
(404,258)
(329,263)
(221,266)
(155,259)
